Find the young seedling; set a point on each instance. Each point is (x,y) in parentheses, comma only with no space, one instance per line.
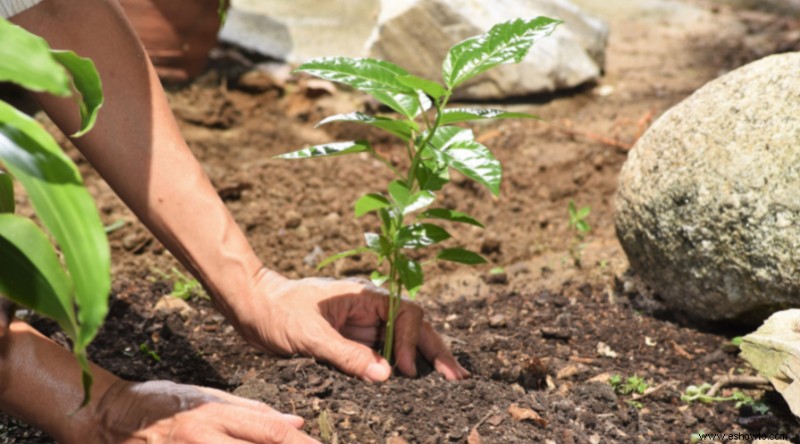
(578,224)
(433,145)
(634,384)
(695,393)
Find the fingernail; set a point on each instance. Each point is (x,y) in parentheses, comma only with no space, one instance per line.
(377,372)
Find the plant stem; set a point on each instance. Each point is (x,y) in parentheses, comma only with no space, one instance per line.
(395,291)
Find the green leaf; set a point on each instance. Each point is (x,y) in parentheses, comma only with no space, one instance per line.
(400,128)
(87,82)
(399,192)
(6,193)
(410,275)
(445,136)
(25,59)
(419,201)
(461,256)
(330,259)
(30,273)
(421,235)
(327,150)
(430,88)
(431,176)
(378,278)
(476,162)
(378,243)
(453,216)
(456,115)
(370,202)
(375,77)
(505,43)
(583,212)
(66,209)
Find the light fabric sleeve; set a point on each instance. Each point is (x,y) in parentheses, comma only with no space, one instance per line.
(9,8)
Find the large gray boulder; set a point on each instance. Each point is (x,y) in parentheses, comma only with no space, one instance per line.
(708,205)
(418,33)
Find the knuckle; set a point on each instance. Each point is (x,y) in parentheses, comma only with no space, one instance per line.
(276,431)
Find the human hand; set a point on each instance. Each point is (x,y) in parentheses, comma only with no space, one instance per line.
(338,321)
(165,412)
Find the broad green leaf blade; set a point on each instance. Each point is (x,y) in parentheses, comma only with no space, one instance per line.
(505,43)
(378,243)
(421,235)
(419,201)
(400,128)
(430,88)
(330,259)
(25,59)
(461,256)
(456,115)
(30,273)
(451,215)
(87,82)
(448,135)
(411,275)
(476,162)
(6,193)
(370,202)
(583,212)
(66,209)
(327,150)
(431,176)
(583,226)
(399,192)
(375,77)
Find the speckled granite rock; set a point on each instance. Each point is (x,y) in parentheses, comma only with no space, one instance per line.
(708,205)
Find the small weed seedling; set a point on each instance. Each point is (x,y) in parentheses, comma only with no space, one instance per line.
(183,286)
(700,394)
(635,385)
(433,145)
(578,224)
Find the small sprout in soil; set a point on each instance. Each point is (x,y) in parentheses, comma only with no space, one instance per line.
(432,148)
(183,286)
(144,348)
(114,226)
(737,341)
(634,384)
(697,437)
(580,228)
(699,393)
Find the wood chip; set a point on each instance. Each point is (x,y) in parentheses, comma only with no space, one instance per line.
(525,414)
(474,437)
(680,351)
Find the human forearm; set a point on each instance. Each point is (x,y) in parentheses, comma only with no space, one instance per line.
(137,147)
(40,383)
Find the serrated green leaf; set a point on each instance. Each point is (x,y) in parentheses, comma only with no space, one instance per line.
(400,128)
(378,278)
(476,162)
(31,274)
(411,275)
(66,209)
(505,43)
(330,259)
(421,235)
(451,215)
(25,59)
(87,82)
(419,201)
(327,150)
(430,88)
(370,202)
(6,193)
(378,78)
(461,256)
(456,115)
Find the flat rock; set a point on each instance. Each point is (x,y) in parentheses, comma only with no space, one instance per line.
(774,350)
(707,208)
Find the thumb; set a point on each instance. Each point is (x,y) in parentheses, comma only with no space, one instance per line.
(351,357)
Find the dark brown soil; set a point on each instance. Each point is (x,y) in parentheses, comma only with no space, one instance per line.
(542,338)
